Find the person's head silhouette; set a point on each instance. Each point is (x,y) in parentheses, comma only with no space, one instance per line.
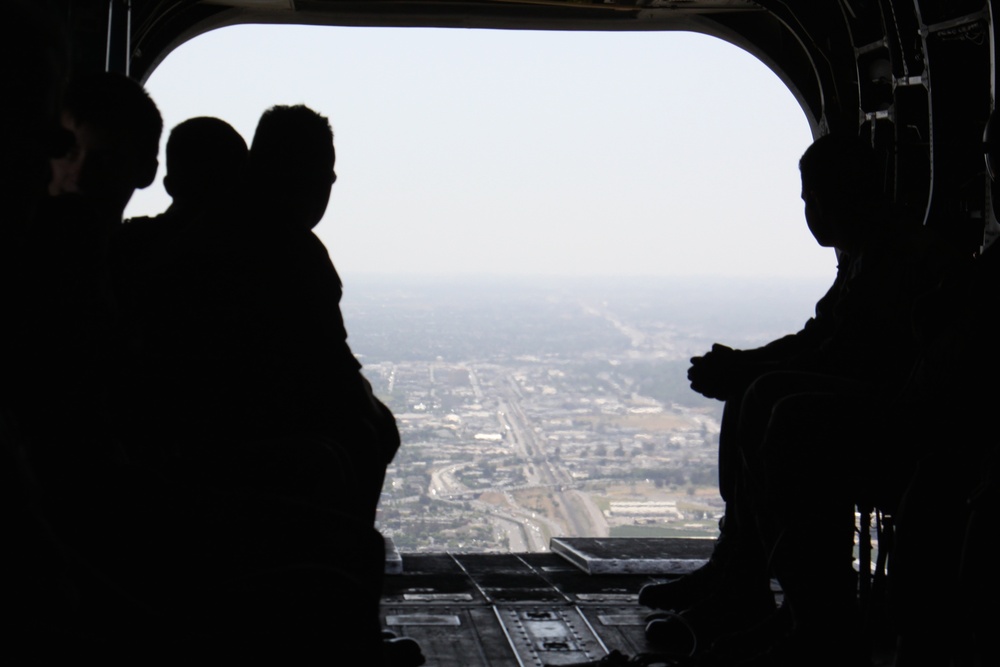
(206,159)
(842,190)
(291,164)
(117,133)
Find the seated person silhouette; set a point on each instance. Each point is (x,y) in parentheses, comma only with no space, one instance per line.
(859,343)
(822,451)
(814,444)
(724,374)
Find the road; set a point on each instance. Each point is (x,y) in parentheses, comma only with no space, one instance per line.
(575,513)
(527,530)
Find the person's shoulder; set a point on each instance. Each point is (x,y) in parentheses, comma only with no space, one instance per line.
(140,221)
(139,224)
(307,244)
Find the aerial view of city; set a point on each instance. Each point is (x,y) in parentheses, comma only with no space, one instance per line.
(531,409)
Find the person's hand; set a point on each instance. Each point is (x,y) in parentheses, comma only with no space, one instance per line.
(712,374)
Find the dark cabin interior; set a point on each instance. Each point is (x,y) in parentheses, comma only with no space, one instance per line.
(917,76)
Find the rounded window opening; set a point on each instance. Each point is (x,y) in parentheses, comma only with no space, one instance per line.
(536,231)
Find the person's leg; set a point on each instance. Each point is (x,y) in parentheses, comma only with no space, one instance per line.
(748,567)
(682,593)
(820,452)
(733,590)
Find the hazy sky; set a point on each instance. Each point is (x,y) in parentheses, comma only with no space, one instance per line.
(499,152)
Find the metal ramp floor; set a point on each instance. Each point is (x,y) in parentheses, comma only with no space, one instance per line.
(518,610)
(574,604)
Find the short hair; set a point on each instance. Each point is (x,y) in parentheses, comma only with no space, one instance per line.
(291,142)
(117,103)
(204,154)
(845,169)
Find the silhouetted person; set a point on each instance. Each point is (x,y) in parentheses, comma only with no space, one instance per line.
(73,339)
(814,446)
(117,128)
(68,347)
(825,450)
(206,161)
(39,598)
(859,345)
(724,373)
(154,261)
(205,164)
(304,368)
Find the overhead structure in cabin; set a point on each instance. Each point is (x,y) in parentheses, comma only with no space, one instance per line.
(916,75)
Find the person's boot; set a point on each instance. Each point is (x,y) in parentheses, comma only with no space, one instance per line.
(737,604)
(682,593)
(401,652)
(741,597)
